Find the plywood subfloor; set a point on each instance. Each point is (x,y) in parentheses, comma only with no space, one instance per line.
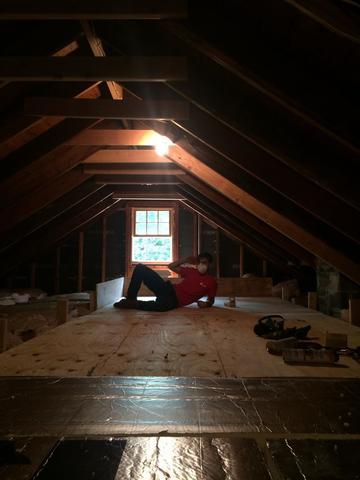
(192,342)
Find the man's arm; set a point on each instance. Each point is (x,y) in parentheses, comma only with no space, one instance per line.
(175,266)
(208,303)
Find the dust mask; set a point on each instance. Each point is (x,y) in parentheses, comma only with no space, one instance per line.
(202,267)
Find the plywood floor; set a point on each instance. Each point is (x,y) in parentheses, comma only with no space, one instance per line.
(216,342)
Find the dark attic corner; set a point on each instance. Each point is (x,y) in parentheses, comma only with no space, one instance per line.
(179,240)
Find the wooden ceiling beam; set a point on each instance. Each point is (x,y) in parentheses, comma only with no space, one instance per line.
(115,138)
(285,226)
(119,157)
(109,109)
(33,201)
(93,69)
(130,170)
(43,239)
(238,235)
(47,214)
(93,10)
(246,217)
(137,179)
(274,173)
(41,171)
(20,130)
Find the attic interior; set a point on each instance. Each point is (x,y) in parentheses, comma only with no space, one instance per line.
(149,133)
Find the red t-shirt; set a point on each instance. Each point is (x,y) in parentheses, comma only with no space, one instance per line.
(194,286)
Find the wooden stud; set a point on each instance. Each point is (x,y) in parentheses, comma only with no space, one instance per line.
(312,300)
(57,270)
(3,334)
(107,109)
(62,311)
(80,261)
(264,267)
(285,294)
(218,252)
(199,230)
(103,249)
(354,311)
(93,10)
(195,242)
(33,274)
(241,261)
(92,301)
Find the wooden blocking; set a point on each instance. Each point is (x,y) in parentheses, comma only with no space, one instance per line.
(354,311)
(109,292)
(62,311)
(285,294)
(344,315)
(92,301)
(3,334)
(312,300)
(336,340)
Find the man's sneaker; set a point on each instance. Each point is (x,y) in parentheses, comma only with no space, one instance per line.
(126,303)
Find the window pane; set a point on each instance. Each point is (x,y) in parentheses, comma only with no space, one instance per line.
(164,229)
(152,216)
(152,228)
(152,249)
(140,216)
(140,229)
(164,216)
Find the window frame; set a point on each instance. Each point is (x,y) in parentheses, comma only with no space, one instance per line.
(150,209)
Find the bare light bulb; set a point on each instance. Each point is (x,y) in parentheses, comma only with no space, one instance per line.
(162,146)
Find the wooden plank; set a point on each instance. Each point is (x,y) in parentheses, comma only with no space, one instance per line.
(312,300)
(354,311)
(93,10)
(288,228)
(264,165)
(109,292)
(137,180)
(92,301)
(107,109)
(20,130)
(57,270)
(80,261)
(219,198)
(116,90)
(148,196)
(115,138)
(236,234)
(264,268)
(112,170)
(39,198)
(62,311)
(285,294)
(120,157)
(92,69)
(42,170)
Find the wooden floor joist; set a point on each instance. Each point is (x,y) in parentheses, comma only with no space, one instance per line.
(109,109)
(93,10)
(92,69)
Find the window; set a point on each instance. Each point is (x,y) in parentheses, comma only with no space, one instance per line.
(152,235)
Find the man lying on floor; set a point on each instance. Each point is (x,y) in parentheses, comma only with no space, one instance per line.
(196,284)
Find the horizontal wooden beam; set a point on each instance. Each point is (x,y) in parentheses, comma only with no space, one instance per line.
(137,180)
(112,170)
(93,10)
(92,69)
(116,138)
(149,196)
(119,157)
(109,109)
(287,227)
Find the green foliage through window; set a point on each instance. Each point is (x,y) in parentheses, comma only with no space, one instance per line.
(152,249)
